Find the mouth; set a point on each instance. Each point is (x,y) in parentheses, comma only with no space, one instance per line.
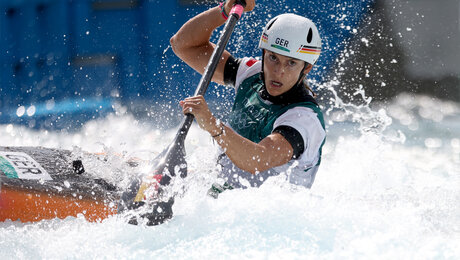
(276,84)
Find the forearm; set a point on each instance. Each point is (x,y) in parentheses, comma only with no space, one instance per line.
(273,150)
(249,156)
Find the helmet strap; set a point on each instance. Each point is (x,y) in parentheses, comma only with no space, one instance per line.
(301,73)
(262,75)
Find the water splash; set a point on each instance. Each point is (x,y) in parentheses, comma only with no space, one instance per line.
(375,195)
(371,197)
(369,121)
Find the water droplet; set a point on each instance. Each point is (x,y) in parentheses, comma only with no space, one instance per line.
(20,111)
(31,110)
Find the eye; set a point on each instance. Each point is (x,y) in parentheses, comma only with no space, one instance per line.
(272,57)
(292,63)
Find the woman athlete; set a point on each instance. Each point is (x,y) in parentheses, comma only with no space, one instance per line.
(275,125)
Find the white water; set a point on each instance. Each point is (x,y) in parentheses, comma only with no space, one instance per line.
(384,192)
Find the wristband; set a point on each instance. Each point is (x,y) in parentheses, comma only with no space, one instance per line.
(221,131)
(224,14)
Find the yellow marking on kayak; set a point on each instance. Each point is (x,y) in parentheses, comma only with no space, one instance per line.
(140,194)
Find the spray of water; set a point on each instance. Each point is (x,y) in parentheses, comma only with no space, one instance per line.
(381,191)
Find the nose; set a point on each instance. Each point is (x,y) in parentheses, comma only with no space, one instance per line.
(279,68)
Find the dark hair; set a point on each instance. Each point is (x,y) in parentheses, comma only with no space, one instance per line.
(309,89)
(305,83)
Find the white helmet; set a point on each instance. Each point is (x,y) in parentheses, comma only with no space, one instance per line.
(293,36)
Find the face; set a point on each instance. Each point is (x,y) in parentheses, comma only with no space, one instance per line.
(281,72)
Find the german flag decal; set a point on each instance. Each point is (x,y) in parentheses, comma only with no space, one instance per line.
(264,38)
(309,50)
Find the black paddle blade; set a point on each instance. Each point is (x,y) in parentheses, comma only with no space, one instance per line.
(173,162)
(146,197)
(127,198)
(151,212)
(154,214)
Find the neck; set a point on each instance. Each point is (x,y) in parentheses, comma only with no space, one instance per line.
(294,95)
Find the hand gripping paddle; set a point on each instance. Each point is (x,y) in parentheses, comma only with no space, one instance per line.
(154,207)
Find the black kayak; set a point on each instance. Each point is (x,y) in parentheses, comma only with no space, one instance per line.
(39,183)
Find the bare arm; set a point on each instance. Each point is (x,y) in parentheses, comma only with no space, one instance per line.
(274,150)
(191,43)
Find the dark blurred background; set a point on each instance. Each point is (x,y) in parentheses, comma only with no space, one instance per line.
(66,62)
(405,46)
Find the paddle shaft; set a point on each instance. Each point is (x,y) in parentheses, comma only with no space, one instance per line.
(207,75)
(173,160)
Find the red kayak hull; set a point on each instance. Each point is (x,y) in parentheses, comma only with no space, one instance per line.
(33,206)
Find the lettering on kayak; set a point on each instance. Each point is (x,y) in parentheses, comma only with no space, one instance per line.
(21,166)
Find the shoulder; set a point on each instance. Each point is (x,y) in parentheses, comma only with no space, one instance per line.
(248,67)
(308,122)
(236,70)
(300,113)
(310,126)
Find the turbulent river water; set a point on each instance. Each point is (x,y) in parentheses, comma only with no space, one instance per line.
(388,187)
